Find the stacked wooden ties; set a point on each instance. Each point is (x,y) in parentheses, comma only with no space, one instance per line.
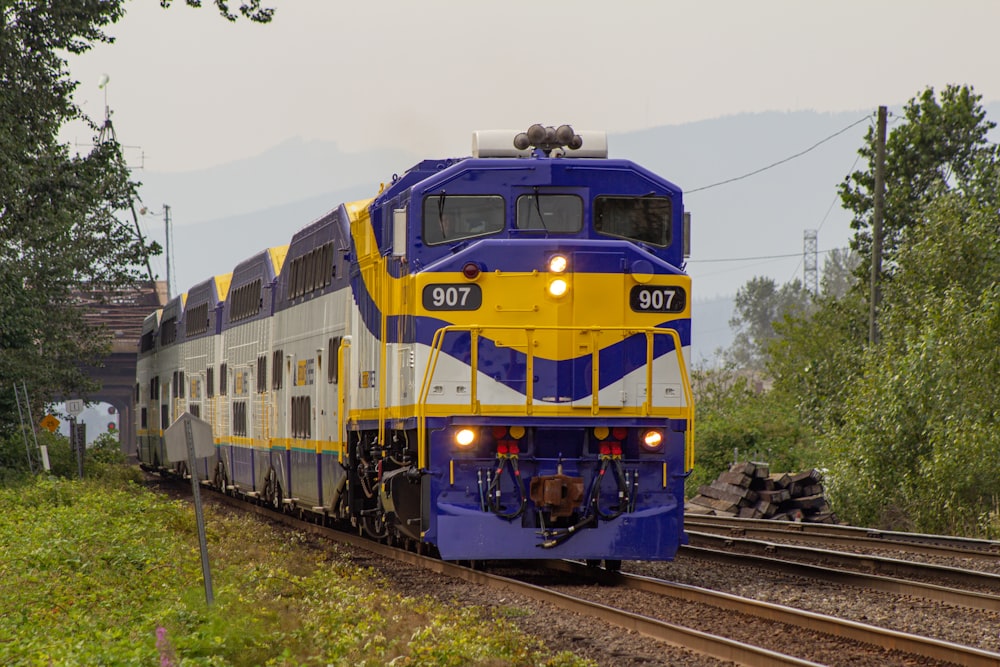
(749,490)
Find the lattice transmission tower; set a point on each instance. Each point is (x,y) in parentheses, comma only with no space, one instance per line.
(810,278)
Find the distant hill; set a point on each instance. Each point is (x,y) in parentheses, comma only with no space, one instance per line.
(289,173)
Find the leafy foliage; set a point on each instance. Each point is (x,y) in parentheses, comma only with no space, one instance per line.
(942,146)
(737,421)
(250,10)
(60,225)
(110,574)
(839,273)
(918,446)
(815,357)
(59,228)
(103,459)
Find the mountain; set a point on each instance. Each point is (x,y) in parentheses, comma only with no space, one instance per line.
(289,173)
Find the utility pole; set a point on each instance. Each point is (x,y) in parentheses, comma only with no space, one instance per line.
(879,195)
(166,220)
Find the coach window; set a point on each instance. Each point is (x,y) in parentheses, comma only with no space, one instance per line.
(223,379)
(449,218)
(550,213)
(276,374)
(645,219)
(168,331)
(196,321)
(261,374)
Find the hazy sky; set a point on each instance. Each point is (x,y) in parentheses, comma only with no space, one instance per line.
(190,90)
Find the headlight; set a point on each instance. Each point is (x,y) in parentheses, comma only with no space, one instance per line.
(652,440)
(558,263)
(558,287)
(465,437)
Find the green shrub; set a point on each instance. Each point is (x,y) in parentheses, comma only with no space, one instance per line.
(110,574)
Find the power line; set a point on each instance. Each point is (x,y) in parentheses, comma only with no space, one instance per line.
(779,162)
(751,259)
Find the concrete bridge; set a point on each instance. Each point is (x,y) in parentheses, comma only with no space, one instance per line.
(122,313)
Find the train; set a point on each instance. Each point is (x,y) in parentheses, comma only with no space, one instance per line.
(485,361)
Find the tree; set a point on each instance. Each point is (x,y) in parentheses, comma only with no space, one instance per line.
(816,356)
(59,214)
(736,420)
(942,146)
(250,10)
(758,305)
(839,273)
(918,446)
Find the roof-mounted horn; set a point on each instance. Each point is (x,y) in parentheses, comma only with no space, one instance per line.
(548,141)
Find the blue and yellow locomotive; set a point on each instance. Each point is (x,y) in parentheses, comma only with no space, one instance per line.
(488,358)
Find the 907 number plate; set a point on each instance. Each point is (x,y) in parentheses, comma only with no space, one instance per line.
(657,299)
(443,296)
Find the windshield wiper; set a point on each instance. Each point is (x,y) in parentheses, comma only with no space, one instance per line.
(444,234)
(538,208)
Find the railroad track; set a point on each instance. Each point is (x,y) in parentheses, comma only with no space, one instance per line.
(847,536)
(884,647)
(946,652)
(885,574)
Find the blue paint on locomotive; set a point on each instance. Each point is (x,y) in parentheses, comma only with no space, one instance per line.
(462,528)
(507,179)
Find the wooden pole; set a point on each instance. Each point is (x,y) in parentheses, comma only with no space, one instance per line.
(879,196)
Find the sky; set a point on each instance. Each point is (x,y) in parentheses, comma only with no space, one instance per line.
(189,90)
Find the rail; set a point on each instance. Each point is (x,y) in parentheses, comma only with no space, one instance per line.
(647,409)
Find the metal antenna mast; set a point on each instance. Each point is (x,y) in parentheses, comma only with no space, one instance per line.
(106,135)
(809,274)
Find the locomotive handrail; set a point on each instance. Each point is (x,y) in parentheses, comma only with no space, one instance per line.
(647,408)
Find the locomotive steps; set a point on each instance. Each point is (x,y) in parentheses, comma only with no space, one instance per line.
(750,491)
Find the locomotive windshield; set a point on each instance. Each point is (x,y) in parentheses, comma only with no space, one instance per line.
(645,219)
(449,218)
(550,213)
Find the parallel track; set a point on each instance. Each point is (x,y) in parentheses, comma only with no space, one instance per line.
(858,569)
(849,536)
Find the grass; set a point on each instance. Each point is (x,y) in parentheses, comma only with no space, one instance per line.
(105,572)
